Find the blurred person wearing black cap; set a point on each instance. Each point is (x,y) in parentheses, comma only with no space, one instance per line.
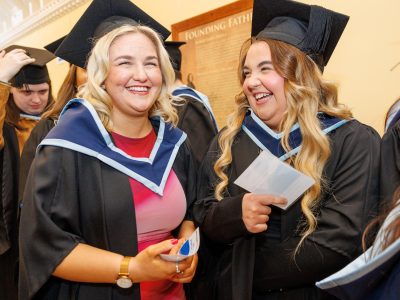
(196,117)
(256,250)
(30,93)
(26,95)
(112,183)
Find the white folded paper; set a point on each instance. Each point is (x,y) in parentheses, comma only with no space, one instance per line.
(189,248)
(268,175)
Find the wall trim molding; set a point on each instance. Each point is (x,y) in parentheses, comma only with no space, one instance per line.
(54,10)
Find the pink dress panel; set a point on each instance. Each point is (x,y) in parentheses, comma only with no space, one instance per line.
(156,216)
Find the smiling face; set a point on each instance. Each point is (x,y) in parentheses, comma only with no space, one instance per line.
(134,79)
(31,98)
(263,86)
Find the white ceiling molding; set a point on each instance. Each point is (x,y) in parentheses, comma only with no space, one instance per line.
(55,9)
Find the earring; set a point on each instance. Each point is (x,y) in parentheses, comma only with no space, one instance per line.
(103,87)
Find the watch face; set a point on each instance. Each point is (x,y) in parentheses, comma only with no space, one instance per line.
(124,282)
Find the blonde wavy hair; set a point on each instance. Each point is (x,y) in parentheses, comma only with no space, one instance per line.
(307,93)
(98,68)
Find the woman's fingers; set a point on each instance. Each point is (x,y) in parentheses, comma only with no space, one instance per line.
(187,274)
(256,210)
(269,199)
(12,62)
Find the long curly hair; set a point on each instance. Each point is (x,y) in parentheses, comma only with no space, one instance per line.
(307,93)
(98,68)
(66,92)
(391,232)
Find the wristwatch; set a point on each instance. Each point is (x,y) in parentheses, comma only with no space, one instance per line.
(123,280)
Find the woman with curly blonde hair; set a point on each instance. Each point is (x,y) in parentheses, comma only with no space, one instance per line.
(287,108)
(111,185)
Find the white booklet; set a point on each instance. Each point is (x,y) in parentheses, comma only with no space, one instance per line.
(268,175)
(189,248)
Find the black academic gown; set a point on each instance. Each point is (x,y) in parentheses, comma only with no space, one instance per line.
(196,122)
(390,164)
(229,252)
(37,135)
(9,162)
(73,198)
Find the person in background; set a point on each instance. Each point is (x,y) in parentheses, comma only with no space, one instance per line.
(255,249)
(196,117)
(75,78)
(392,115)
(111,185)
(375,274)
(390,157)
(25,92)
(30,94)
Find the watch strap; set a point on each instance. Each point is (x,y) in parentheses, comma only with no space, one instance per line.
(124,267)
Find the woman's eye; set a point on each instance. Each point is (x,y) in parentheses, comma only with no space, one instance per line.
(151,64)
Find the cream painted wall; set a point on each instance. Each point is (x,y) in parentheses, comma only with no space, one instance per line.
(369,48)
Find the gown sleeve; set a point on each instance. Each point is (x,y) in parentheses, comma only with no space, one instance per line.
(50,224)
(185,168)
(390,165)
(195,120)
(221,221)
(352,197)
(346,207)
(38,133)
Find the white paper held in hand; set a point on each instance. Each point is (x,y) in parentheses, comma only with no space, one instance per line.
(189,248)
(268,175)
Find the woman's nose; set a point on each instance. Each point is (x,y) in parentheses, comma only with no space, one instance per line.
(35,98)
(139,73)
(253,81)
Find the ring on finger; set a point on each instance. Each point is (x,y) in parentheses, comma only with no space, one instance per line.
(178,271)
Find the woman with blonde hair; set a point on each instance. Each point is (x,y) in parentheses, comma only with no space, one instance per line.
(286,107)
(111,185)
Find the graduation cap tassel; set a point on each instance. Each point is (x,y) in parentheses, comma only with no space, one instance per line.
(318,32)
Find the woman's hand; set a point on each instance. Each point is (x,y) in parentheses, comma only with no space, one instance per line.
(149,266)
(256,210)
(186,230)
(12,62)
(187,274)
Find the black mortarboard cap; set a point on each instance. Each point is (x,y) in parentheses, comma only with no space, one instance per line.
(36,72)
(175,54)
(78,43)
(52,47)
(312,29)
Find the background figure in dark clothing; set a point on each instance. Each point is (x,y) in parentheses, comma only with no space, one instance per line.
(390,156)
(256,250)
(196,117)
(25,92)
(75,78)
(375,274)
